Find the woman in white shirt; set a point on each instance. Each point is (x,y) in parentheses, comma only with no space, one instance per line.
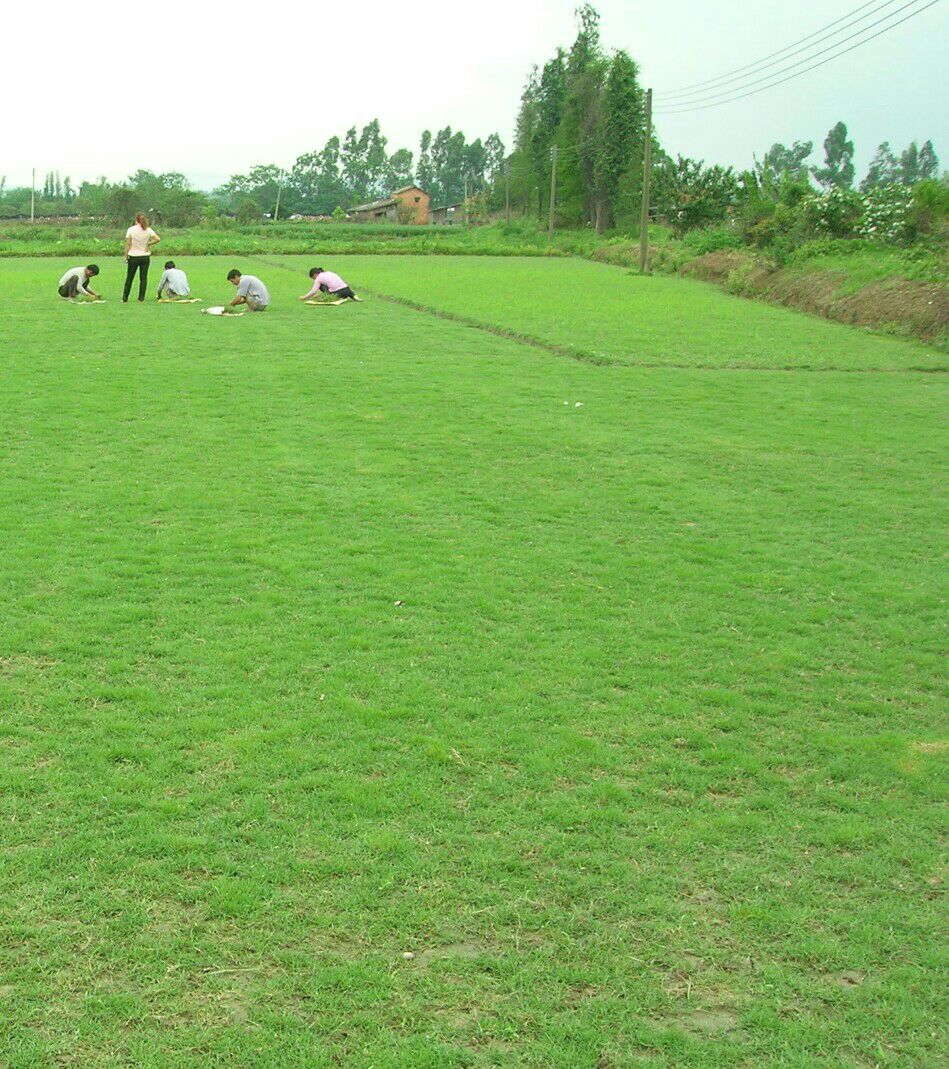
(139,240)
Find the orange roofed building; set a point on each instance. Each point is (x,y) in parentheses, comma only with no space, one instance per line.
(407,205)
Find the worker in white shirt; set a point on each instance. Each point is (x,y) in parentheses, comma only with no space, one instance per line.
(75,283)
(139,239)
(173,282)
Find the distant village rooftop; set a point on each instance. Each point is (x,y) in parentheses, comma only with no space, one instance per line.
(410,204)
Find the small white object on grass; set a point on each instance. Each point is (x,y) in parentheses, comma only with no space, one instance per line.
(408,956)
(219,310)
(579,404)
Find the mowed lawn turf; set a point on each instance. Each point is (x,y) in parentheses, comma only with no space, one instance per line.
(609,315)
(332,636)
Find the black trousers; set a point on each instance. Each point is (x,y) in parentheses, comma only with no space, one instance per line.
(338,294)
(139,264)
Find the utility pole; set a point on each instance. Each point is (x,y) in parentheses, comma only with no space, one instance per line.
(553,190)
(647,175)
(276,211)
(507,192)
(33,197)
(466,200)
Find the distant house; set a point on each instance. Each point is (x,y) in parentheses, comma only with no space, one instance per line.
(407,205)
(448,215)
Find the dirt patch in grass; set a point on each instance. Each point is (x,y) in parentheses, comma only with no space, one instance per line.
(934,746)
(455,951)
(711,1021)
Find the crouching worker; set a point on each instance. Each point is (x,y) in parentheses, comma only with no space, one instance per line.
(75,283)
(329,282)
(250,291)
(173,282)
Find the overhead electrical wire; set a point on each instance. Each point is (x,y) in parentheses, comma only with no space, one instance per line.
(716,101)
(783,54)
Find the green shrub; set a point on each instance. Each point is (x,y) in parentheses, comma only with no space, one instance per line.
(813,250)
(930,205)
(248,212)
(888,214)
(738,278)
(713,239)
(835,213)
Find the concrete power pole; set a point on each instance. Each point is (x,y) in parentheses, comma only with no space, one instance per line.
(33,197)
(276,211)
(466,200)
(507,192)
(553,190)
(647,175)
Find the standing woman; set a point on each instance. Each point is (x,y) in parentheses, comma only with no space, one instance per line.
(139,240)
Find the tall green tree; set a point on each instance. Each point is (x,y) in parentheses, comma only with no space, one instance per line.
(780,160)
(425,174)
(621,141)
(523,159)
(400,169)
(493,156)
(551,100)
(884,169)
(576,138)
(450,165)
(316,182)
(353,161)
(476,160)
(918,164)
(928,162)
(838,169)
(372,145)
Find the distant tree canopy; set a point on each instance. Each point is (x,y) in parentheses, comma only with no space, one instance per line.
(779,161)
(838,169)
(344,172)
(168,198)
(591,106)
(359,168)
(588,104)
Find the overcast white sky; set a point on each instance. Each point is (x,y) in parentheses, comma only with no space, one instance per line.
(108,87)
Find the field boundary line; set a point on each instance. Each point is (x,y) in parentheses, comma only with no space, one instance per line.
(532,340)
(584,357)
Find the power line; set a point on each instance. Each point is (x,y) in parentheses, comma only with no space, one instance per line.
(743,73)
(717,95)
(714,103)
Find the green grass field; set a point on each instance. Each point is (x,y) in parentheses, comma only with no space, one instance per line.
(608,315)
(602,674)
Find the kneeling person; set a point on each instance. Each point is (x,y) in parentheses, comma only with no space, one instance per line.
(329,282)
(173,282)
(75,283)
(250,291)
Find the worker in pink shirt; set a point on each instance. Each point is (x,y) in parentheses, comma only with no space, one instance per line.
(329,282)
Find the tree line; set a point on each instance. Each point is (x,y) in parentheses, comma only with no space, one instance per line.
(583,101)
(589,105)
(346,171)
(360,168)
